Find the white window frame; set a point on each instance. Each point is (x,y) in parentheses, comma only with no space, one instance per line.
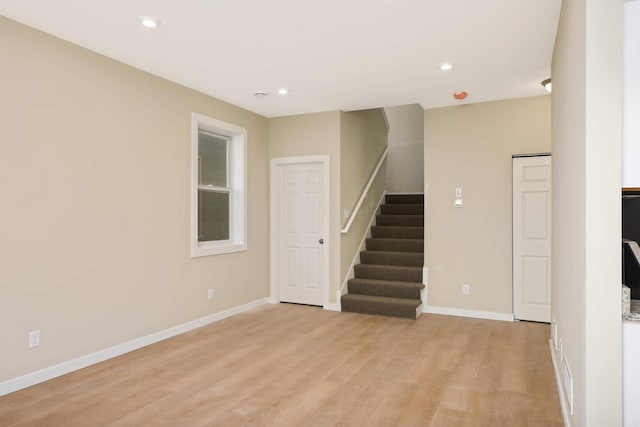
(237,176)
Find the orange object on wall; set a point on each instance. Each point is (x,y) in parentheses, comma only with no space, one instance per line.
(460,95)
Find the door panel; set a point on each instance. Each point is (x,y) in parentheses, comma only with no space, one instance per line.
(535,270)
(300,219)
(532,238)
(534,215)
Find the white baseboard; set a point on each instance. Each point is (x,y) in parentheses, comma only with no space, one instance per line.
(506,317)
(337,306)
(561,396)
(63,368)
(333,307)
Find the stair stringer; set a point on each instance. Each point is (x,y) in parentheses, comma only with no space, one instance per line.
(344,289)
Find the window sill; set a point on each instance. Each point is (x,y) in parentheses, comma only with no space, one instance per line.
(206,249)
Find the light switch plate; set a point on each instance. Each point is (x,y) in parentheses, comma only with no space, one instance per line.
(458,203)
(458,192)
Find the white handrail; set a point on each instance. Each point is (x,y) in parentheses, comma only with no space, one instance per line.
(352,217)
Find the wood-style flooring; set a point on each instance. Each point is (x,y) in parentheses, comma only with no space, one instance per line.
(290,365)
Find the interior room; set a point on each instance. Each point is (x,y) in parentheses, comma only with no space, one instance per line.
(159,164)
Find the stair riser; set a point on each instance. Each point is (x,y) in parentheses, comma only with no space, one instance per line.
(391,232)
(400,258)
(402,220)
(407,312)
(394,245)
(365,271)
(402,209)
(410,199)
(363,288)
(388,281)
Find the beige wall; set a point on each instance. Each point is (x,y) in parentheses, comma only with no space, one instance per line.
(405,163)
(363,139)
(353,141)
(470,146)
(94,178)
(312,134)
(586,72)
(631,96)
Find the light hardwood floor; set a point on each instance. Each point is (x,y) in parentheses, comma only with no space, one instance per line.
(295,365)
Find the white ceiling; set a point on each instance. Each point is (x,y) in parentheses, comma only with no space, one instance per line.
(330,54)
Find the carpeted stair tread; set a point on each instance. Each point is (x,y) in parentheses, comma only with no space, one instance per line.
(410,199)
(395,245)
(397,232)
(385,288)
(410,259)
(388,280)
(388,272)
(396,307)
(402,209)
(405,220)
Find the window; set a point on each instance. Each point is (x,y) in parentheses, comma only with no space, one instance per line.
(218,196)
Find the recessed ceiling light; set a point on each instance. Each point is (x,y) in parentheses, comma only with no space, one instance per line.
(547,84)
(283,91)
(149,21)
(260,93)
(446,66)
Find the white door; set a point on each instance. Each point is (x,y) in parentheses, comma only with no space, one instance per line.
(532,238)
(300,233)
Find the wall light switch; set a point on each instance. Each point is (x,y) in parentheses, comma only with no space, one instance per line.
(458,192)
(458,203)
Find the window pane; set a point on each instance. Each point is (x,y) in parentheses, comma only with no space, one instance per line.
(212,153)
(213,216)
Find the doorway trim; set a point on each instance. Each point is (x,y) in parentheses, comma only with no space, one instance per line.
(276,164)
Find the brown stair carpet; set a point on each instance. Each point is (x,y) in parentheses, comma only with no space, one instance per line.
(388,281)
(396,245)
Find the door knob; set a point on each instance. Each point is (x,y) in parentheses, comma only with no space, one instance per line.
(321,241)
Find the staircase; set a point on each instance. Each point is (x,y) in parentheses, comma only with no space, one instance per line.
(389,279)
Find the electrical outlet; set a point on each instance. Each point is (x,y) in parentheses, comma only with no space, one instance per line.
(34,339)
(465,289)
(210,293)
(346,213)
